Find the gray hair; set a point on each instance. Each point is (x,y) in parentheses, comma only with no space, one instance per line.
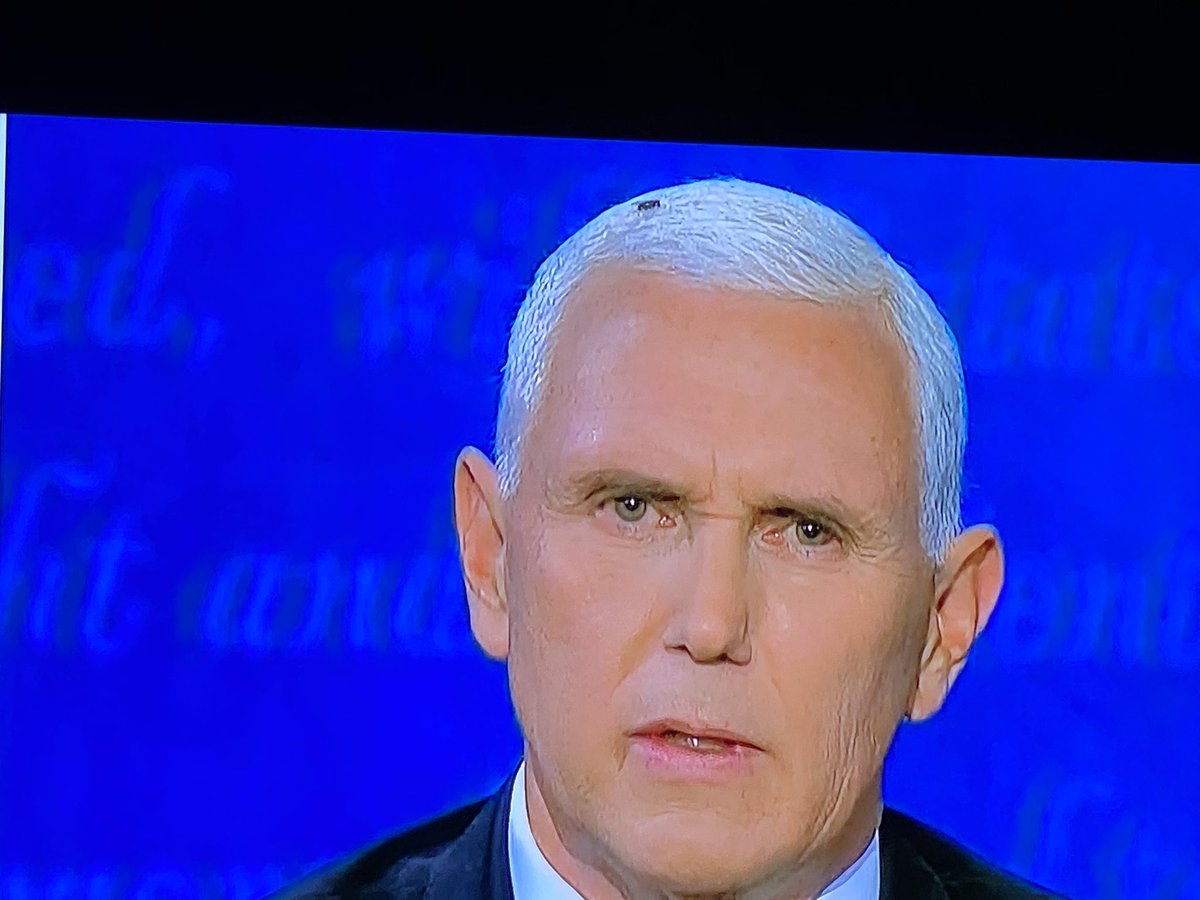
(741,235)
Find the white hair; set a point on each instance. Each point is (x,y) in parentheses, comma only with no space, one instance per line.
(740,235)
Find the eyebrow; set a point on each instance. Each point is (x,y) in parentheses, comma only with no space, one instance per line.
(585,485)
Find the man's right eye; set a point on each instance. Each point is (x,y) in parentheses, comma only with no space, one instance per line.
(630,509)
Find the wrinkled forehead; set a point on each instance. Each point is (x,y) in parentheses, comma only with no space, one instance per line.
(650,366)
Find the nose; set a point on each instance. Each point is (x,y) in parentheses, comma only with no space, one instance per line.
(711,617)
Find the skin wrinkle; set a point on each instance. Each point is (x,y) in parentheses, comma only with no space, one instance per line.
(725,407)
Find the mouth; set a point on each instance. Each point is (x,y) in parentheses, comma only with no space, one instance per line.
(694,736)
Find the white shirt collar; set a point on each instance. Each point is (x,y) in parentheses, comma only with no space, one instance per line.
(533,878)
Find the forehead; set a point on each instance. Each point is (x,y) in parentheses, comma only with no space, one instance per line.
(656,372)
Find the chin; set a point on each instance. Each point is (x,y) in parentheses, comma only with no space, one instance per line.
(685,854)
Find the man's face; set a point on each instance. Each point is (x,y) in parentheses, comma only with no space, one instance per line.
(716,529)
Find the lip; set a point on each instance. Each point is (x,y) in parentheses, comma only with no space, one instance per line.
(659,727)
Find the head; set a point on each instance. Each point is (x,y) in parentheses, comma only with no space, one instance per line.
(725,501)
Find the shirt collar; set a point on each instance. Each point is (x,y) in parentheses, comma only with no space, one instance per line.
(533,878)
(861,880)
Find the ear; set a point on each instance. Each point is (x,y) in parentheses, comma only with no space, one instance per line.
(478,519)
(966,588)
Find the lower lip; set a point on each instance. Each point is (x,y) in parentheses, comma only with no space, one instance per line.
(670,759)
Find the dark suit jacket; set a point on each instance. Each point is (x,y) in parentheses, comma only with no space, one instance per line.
(464,856)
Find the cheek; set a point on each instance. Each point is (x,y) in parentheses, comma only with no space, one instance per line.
(576,614)
(563,593)
(581,589)
(843,655)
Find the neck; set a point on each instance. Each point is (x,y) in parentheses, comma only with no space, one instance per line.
(595,874)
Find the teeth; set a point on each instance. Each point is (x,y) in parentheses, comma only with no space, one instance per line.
(692,742)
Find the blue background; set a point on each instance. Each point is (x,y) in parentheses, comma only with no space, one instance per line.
(238,363)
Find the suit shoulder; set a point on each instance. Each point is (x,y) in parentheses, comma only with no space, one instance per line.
(395,867)
(963,873)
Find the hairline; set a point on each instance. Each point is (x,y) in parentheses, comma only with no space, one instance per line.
(928,348)
(878,307)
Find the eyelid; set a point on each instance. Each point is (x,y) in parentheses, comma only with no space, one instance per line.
(664,506)
(833,529)
(648,496)
(800,515)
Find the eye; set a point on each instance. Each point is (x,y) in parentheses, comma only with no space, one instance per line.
(812,533)
(630,509)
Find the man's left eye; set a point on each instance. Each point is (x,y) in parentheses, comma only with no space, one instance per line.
(812,533)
